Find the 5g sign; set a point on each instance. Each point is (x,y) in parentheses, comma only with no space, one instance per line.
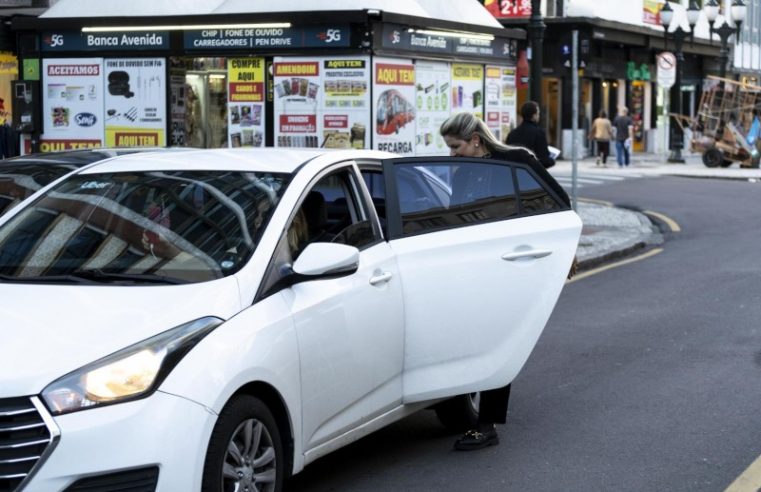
(56,40)
(332,35)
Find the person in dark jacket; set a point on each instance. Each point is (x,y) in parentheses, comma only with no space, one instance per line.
(530,135)
(468,136)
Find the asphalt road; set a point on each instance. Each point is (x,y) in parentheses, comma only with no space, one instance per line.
(647,377)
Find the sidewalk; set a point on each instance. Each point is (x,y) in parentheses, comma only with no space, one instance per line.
(612,232)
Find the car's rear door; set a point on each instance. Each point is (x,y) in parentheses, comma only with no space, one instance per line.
(481,269)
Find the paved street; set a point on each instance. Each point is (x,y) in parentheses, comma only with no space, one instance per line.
(643,380)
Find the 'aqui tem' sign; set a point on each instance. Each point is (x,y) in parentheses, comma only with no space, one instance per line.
(666,63)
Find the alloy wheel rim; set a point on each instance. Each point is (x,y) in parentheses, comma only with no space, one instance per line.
(250,463)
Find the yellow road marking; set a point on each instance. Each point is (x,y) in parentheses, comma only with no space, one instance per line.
(749,481)
(617,264)
(599,202)
(669,221)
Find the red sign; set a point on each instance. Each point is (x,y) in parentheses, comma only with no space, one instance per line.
(336,121)
(492,117)
(74,70)
(246,92)
(508,9)
(298,123)
(297,69)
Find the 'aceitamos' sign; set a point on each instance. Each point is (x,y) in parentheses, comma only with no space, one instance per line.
(81,41)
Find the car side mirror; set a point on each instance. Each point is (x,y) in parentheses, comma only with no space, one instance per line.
(326,260)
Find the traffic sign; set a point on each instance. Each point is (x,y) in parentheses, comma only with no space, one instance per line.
(666,74)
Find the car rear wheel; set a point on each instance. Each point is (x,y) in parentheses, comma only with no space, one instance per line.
(245,452)
(459,413)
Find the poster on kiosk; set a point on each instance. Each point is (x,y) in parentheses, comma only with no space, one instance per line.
(297,100)
(432,101)
(135,102)
(345,110)
(72,104)
(245,102)
(394,105)
(467,89)
(501,100)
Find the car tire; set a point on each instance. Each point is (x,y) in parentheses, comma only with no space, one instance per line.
(713,157)
(227,467)
(726,163)
(459,413)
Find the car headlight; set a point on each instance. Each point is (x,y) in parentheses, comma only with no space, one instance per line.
(129,374)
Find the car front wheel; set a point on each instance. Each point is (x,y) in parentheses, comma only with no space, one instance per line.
(245,452)
(459,413)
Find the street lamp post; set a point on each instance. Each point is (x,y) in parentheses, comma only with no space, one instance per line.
(679,35)
(536,29)
(725,31)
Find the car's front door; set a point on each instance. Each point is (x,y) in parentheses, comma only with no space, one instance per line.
(481,269)
(349,329)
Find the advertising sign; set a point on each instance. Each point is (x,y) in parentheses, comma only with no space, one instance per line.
(508,9)
(468,89)
(72,103)
(501,100)
(135,102)
(245,102)
(345,111)
(651,11)
(297,100)
(113,41)
(394,105)
(337,36)
(432,103)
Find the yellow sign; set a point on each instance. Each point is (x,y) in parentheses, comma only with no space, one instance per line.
(8,64)
(134,137)
(246,79)
(467,72)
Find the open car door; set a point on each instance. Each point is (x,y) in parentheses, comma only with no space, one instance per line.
(481,266)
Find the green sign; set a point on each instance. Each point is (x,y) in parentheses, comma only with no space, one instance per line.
(634,72)
(31,69)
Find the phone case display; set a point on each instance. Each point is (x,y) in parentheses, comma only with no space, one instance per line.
(72,103)
(297,99)
(246,111)
(345,111)
(501,100)
(179,89)
(135,102)
(468,89)
(394,110)
(637,114)
(432,96)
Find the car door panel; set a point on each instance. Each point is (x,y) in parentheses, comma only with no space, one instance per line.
(478,296)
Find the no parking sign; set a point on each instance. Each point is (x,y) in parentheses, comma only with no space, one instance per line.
(666,73)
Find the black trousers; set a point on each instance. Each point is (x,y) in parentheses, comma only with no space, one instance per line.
(493,409)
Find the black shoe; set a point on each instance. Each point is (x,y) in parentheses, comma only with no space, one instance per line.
(474,439)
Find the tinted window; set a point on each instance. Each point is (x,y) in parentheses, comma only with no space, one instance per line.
(143,226)
(534,198)
(478,193)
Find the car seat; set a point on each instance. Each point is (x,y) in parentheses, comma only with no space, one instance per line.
(316,213)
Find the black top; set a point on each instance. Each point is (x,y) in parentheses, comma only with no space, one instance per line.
(528,134)
(525,157)
(622,124)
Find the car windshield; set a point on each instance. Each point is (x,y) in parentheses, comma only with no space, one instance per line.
(140,227)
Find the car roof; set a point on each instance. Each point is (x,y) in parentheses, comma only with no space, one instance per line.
(75,158)
(282,160)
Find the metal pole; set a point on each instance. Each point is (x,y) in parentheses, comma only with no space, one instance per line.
(536,29)
(575,117)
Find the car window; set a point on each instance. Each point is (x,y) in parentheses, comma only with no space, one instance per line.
(479,192)
(187,226)
(534,198)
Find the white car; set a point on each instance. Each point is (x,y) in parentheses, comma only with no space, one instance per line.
(216,320)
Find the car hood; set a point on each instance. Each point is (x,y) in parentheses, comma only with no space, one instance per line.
(51,330)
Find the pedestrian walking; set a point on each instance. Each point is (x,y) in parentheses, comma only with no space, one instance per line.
(468,136)
(602,133)
(623,124)
(530,135)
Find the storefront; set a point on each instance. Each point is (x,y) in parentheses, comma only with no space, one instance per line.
(376,79)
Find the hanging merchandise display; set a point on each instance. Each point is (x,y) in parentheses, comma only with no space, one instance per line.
(501,100)
(297,98)
(345,107)
(394,106)
(246,110)
(178,131)
(135,102)
(432,96)
(467,89)
(72,104)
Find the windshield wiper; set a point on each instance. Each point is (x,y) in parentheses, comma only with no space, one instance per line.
(94,277)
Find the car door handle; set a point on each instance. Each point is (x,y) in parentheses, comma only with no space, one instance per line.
(381,278)
(532,253)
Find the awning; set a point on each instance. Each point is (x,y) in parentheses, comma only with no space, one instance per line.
(130,8)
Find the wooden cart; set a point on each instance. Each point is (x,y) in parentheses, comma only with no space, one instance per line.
(723,122)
